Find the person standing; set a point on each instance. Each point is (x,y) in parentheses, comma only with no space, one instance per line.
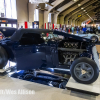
(72,29)
(84,30)
(67,29)
(94,30)
(78,30)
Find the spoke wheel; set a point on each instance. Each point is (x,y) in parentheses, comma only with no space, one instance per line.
(84,71)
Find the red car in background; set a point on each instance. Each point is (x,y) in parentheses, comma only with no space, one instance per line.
(1,36)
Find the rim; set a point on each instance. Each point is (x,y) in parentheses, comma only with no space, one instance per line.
(94,39)
(84,71)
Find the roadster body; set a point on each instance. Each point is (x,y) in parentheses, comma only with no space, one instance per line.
(41,49)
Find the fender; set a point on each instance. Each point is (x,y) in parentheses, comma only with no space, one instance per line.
(9,52)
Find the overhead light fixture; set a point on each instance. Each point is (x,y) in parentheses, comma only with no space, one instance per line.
(82,8)
(90,17)
(74,0)
(38,1)
(79,4)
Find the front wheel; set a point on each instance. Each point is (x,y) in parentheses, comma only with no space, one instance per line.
(84,70)
(3,57)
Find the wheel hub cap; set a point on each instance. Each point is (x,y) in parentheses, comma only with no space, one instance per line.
(84,71)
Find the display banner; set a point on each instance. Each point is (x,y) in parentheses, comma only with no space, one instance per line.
(53,26)
(35,24)
(56,26)
(50,26)
(26,25)
(46,25)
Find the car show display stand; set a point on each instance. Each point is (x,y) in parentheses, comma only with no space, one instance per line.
(92,89)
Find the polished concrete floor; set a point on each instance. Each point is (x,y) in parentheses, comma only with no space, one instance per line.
(42,92)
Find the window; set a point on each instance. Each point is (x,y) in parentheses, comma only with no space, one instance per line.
(3,25)
(46,5)
(14,26)
(30,39)
(8,9)
(9,25)
(13,9)
(2,8)
(36,15)
(49,17)
(49,35)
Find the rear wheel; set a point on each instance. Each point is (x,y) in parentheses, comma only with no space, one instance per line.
(84,70)
(95,39)
(3,57)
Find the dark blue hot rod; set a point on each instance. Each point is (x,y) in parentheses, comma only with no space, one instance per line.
(41,49)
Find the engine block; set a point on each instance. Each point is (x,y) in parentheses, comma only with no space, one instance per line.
(71,45)
(67,57)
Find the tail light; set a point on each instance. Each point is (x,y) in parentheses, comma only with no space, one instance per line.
(1,37)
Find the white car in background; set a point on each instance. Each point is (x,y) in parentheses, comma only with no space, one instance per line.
(93,37)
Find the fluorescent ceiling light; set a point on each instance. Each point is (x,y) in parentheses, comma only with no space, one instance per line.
(82,8)
(79,4)
(38,1)
(90,17)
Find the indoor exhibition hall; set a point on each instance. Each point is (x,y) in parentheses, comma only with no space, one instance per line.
(49,49)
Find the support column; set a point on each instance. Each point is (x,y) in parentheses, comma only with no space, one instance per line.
(46,17)
(62,20)
(66,22)
(55,18)
(80,23)
(73,23)
(70,22)
(46,13)
(55,3)
(32,8)
(76,23)
(58,20)
(22,12)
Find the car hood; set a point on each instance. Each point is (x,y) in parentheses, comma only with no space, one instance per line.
(87,35)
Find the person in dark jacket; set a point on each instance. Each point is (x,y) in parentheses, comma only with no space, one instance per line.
(78,30)
(67,29)
(94,30)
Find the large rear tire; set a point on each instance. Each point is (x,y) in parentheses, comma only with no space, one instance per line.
(3,57)
(84,70)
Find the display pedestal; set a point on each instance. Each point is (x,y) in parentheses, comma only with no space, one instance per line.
(93,89)
(7,70)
